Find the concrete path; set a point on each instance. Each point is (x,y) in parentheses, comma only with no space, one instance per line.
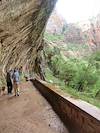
(28,113)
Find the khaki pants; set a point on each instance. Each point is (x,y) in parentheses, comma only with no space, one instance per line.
(16,88)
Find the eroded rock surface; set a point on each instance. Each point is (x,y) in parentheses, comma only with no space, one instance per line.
(22,24)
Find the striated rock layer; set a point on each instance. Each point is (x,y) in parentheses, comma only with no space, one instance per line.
(22,24)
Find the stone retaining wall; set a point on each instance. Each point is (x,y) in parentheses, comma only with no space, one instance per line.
(74,117)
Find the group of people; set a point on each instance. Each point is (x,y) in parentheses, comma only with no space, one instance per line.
(13,79)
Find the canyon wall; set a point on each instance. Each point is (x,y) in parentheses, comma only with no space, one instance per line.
(22,25)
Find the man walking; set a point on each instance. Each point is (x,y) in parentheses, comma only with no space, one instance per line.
(16,82)
(9,83)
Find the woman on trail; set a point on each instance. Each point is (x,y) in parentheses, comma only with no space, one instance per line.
(9,83)
(16,82)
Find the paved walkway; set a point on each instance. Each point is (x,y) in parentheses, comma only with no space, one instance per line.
(28,113)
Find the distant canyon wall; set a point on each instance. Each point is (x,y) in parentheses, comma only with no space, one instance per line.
(55,23)
(85,32)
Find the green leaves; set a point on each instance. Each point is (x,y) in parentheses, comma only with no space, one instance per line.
(77,73)
(79,77)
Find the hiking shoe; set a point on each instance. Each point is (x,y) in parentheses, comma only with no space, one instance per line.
(17,94)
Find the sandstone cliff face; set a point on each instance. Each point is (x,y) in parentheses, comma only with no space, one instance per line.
(74,34)
(22,25)
(55,23)
(93,34)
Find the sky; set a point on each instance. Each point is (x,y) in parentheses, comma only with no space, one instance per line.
(78,10)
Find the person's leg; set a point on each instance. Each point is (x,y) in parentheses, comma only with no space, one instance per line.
(15,88)
(8,87)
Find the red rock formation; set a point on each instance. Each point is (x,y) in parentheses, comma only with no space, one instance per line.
(55,23)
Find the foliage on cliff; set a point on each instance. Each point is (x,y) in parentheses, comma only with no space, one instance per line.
(79,75)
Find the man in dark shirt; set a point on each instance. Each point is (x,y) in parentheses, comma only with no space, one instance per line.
(9,83)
